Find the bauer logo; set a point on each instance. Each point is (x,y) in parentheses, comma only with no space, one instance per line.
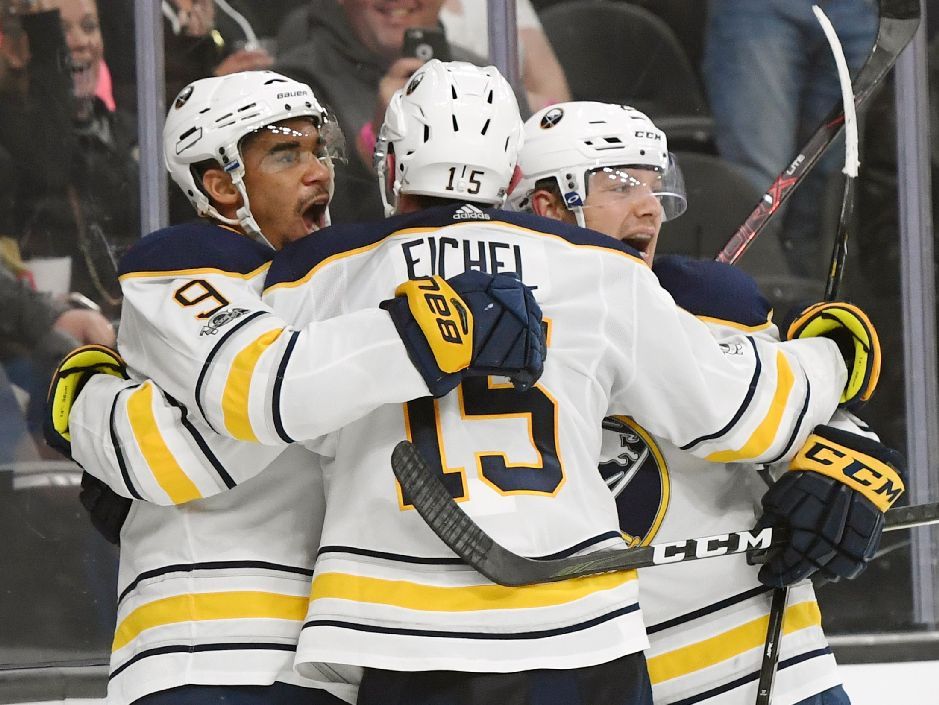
(291,94)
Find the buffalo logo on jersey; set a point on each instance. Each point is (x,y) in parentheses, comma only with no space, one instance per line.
(634,469)
(221,319)
(551,118)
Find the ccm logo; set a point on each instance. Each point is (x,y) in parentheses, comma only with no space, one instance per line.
(718,545)
(854,469)
(644,134)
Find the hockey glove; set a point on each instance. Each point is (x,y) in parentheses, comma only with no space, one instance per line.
(832,500)
(856,338)
(106,508)
(67,382)
(474,324)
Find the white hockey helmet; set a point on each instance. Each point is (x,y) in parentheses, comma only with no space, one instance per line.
(570,141)
(453,131)
(211,116)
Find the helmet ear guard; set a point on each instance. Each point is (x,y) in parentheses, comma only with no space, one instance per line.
(210,118)
(567,142)
(453,131)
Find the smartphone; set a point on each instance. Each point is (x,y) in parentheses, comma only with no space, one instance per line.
(426,43)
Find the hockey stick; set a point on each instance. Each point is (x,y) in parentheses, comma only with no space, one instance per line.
(898,22)
(770,662)
(425,490)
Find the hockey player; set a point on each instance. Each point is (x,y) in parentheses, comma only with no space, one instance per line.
(706,620)
(386,595)
(214,583)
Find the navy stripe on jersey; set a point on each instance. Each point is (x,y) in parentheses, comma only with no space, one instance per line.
(278,385)
(211,357)
(713,289)
(487,636)
(749,678)
(200,441)
(192,246)
(297,258)
(795,431)
(431,560)
(210,566)
(743,407)
(710,609)
(116,444)
(200,648)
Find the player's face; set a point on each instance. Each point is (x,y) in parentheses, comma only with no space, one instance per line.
(622,203)
(380,24)
(83,36)
(288,179)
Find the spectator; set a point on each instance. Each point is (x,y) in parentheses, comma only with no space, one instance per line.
(77,188)
(774,55)
(36,331)
(199,41)
(467,25)
(350,53)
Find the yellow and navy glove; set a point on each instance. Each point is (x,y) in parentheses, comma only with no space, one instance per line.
(474,324)
(832,499)
(67,382)
(856,338)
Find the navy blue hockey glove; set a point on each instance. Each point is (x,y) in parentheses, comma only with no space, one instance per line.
(832,500)
(106,508)
(473,324)
(856,338)
(67,382)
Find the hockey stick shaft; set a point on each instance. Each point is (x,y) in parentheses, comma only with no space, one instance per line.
(898,22)
(424,489)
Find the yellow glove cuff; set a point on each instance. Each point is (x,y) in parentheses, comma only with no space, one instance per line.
(825,317)
(872,477)
(70,377)
(444,319)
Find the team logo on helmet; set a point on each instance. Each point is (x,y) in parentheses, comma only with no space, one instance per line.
(572,198)
(415,82)
(183,97)
(551,118)
(634,469)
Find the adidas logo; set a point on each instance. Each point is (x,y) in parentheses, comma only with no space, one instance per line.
(469,212)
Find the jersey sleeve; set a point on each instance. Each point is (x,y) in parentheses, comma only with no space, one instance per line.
(742,398)
(196,326)
(145,445)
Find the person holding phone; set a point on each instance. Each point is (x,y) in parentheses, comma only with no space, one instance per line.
(355,56)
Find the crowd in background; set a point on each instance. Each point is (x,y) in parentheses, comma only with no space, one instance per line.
(69,187)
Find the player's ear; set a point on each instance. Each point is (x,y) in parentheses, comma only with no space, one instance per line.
(219,187)
(548,204)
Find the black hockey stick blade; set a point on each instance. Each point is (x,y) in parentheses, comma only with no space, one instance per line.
(898,22)
(426,492)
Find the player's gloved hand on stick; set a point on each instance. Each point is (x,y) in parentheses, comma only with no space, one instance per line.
(106,508)
(473,324)
(832,500)
(67,382)
(855,336)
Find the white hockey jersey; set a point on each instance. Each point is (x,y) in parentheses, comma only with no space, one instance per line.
(214,583)
(386,593)
(707,620)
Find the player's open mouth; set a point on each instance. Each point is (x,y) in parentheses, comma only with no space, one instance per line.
(394,12)
(639,241)
(314,216)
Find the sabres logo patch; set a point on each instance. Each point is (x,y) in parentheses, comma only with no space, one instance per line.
(551,118)
(183,97)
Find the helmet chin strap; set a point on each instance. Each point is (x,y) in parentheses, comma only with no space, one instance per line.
(579,216)
(245,218)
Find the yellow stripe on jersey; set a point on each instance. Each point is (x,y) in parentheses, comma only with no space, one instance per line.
(731,643)
(238,387)
(475,598)
(186,273)
(739,326)
(208,606)
(167,472)
(763,436)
